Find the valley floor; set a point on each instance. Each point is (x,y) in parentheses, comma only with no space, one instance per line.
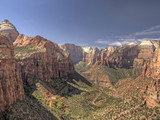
(75,98)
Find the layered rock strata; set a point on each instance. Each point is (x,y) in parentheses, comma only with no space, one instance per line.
(11,85)
(41,59)
(152,70)
(152,97)
(127,56)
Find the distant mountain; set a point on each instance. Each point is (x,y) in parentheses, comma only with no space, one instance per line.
(127,56)
(75,51)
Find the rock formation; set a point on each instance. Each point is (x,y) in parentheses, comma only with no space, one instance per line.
(132,55)
(91,55)
(122,57)
(147,49)
(11,85)
(8,30)
(41,59)
(127,56)
(152,97)
(85,54)
(76,52)
(152,69)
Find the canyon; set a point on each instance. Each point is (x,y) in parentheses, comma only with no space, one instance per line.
(41,59)
(131,57)
(127,56)
(26,61)
(73,82)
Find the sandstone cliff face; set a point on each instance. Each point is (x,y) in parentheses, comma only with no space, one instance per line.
(127,56)
(152,69)
(147,49)
(8,30)
(76,52)
(11,85)
(41,59)
(133,55)
(152,94)
(86,54)
(122,57)
(91,55)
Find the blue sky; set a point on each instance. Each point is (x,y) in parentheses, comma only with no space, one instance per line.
(98,23)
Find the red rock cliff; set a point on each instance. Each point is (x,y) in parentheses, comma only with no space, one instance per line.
(41,59)
(152,94)
(127,56)
(11,85)
(152,69)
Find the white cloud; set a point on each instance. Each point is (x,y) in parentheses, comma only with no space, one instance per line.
(139,36)
(150,31)
(147,33)
(109,43)
(101,41)
(116,44)
(136,37)
(126,39)
(140,40)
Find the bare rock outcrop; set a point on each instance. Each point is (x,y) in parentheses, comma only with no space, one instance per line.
(152,70)
(152,94)
(132,55)
(122,57)
(76,52)
(11,85)
(128,56)
(87,54)
(91,55)
(41,59)
(147,50)
(8,30)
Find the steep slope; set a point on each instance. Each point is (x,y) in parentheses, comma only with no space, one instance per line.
(91,55)
(11,86)
(51,93)
(105,76)
(41,59)
(8,30)
(131,55)
(127,56)
(152,69)
(82,67)
(146,86)
(152,94)
(76,52)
